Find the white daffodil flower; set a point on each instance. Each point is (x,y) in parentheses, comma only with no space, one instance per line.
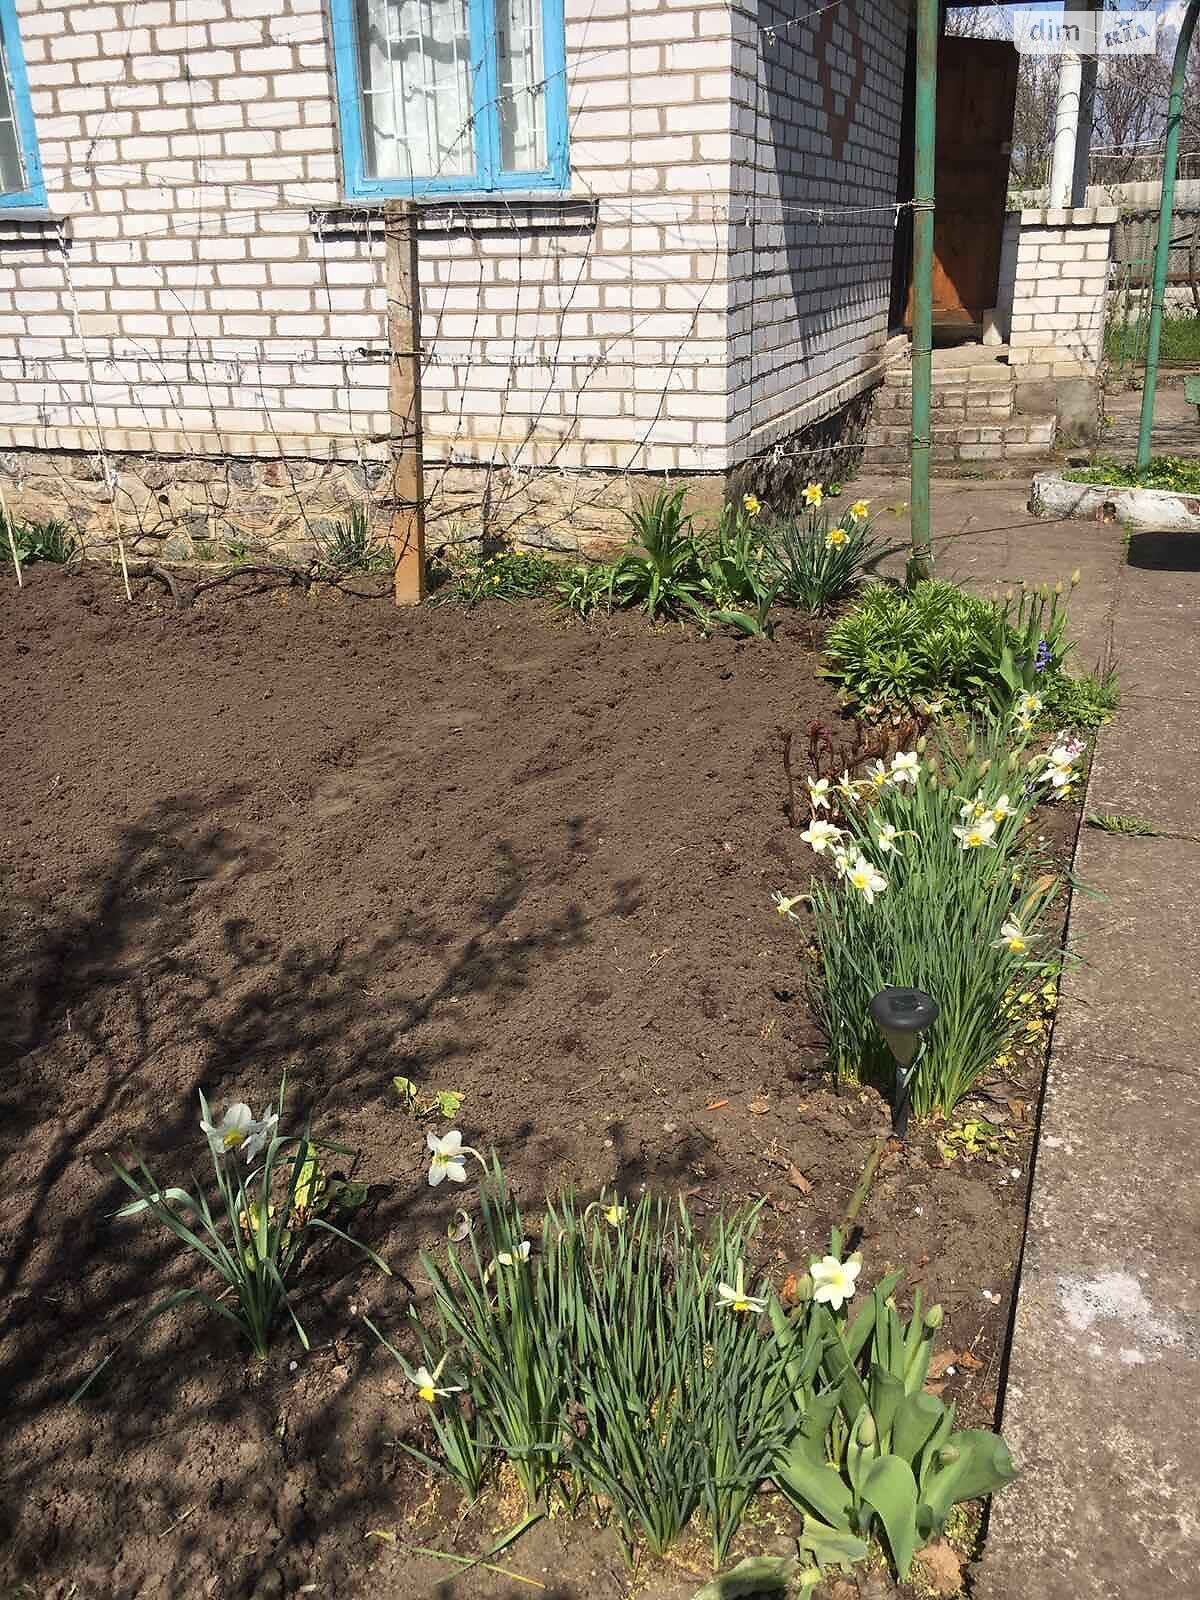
(446,1157)
(846,787)
(1024,724)
(1060,766)
(866,878)
(733,1297)
(972,810)
(510,1258)
(784,904)
(1012,937)
(878,775)
(1000,810)
(931,708)
(975,835)
(906,767)
(841,861)
(237,1130)
(834,1281)
(1028,705)
(820,833)
(886,838)
(818,793)
(615,1215)
(426,1383)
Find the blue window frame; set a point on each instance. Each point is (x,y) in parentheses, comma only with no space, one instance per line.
(21,181)
(445,97)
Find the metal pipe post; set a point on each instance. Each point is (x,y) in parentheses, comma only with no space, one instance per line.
(1162,247)
(920,561)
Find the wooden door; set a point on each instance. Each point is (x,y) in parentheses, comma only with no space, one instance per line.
(977,90)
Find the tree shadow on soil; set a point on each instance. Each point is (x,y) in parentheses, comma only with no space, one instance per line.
(121,998)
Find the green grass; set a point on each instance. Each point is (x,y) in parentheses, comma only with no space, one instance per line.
(1180,339)
(1163,472)
(1114,822)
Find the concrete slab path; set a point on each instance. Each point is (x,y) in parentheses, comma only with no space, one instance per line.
(1102,1397)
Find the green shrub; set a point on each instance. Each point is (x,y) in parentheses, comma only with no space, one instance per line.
(900,647)
(585,588)
(271,1194)
(1086,702)
(934,891)
(874,1454)
(614,1357)
(1178,473)
(350,546)
(817,564)
(498,575)
(735,570)
(604,1358)
(39,541)
(661,569)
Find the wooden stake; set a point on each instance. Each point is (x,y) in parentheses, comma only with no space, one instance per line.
(12,540)
(404,397)
(120,542)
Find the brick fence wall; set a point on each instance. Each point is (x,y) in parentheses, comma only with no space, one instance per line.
(198,290)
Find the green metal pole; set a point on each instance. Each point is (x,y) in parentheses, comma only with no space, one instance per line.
(920,560)
(1162,247)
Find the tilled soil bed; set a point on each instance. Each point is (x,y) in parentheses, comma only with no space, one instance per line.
(493,852)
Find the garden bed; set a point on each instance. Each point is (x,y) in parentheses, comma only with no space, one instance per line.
(493,852)
(1056,494)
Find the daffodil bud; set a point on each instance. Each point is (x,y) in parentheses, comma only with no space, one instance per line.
(1008,594)
(1075,577)
(922,745)
(1044,591)
(984,765)
(934,1318)
(867,1431)
(1058,588)
(804,1289)
(1012,761)
(971,745)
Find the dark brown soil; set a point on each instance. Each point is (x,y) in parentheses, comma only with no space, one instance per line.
(494,852)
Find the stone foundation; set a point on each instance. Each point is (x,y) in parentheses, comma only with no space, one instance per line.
(195,507)
(180,508)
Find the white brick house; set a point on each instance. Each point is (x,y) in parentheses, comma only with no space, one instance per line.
(657,236)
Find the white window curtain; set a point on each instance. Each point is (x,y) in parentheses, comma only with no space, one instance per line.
(12,175)
(415,60)
(519,75)
(417,88)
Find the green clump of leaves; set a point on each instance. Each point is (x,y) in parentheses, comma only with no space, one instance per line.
(350,546)
(819,564)
(1178,473)
(1115,822)
(586,588)
(660,570)
(446,1103)
(901,647)
(957,920)
(506,575)
(876,1455)
(50,541)
(1087,701)
(271,1193)
(614,1357)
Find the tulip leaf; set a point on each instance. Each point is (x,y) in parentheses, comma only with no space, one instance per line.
(813,1485)
(890,1489)
(752,1575)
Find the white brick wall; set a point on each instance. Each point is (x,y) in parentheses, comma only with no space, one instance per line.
(817,125)
(1054,284)
(186,142)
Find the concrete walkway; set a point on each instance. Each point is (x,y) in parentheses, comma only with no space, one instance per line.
(1102,1398)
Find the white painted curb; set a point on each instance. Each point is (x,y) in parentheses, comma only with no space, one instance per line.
(1161,509)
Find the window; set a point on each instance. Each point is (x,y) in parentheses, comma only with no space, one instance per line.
(451,96)
(21,181)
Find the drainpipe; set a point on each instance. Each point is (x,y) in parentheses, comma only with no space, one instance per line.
(1066,130)
(1087,116)
(920,560)
(1162,247)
